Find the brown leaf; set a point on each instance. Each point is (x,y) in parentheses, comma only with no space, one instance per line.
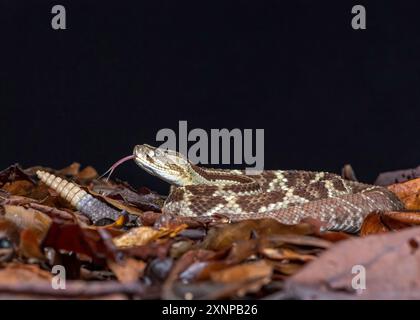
(181,265)
(53,212)
(334,236)
(391,263)
(180,247)
(17,273)
(71,237)
(241,250)
(285,254)
(408,192)
(19,187)
(151,250)
(223,236)
(373,224)
(39,192)
(143,235)
(406,217)
(30,245)
(13,173)
(171,221)
(8,230)
(287,269)
(28,218)
(201,270)
(71,170)
(243,272)
(88,173)
(380,222)
(295,239)
(128,270)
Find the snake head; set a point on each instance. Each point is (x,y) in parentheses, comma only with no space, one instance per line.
(169,165)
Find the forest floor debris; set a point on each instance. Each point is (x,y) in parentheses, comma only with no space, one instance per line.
(173,257)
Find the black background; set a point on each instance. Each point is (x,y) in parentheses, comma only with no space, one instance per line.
(325,94)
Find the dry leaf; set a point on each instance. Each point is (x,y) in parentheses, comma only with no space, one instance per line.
(71,170)
(380,222)
(117,204)
(408,192)
(128,270)
(28,218)
(222,236)
(143,235)
(17,273)
(30,245)
(243,272)
(390,261)
(285,254)
(88,173)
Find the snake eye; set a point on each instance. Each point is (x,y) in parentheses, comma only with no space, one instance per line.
(158,153)
(151,153)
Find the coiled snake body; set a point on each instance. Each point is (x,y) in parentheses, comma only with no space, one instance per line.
(287,196)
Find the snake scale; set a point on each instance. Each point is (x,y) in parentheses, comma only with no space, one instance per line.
(287,196)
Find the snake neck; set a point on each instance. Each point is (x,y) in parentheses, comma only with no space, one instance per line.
(200,175)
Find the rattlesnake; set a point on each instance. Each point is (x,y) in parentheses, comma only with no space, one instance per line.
(287,196)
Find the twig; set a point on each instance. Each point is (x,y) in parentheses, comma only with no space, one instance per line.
(81,289)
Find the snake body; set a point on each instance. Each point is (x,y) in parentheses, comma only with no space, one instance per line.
(287,196)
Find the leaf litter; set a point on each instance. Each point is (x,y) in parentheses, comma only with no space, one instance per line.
(163,256)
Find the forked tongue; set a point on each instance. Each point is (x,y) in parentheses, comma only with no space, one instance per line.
(115,165)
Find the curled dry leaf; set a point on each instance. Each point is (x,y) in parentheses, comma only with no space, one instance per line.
(71,237)
(88,173)
(380,222)
(373,224)
(408,192)
(143,235)
(71,170)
